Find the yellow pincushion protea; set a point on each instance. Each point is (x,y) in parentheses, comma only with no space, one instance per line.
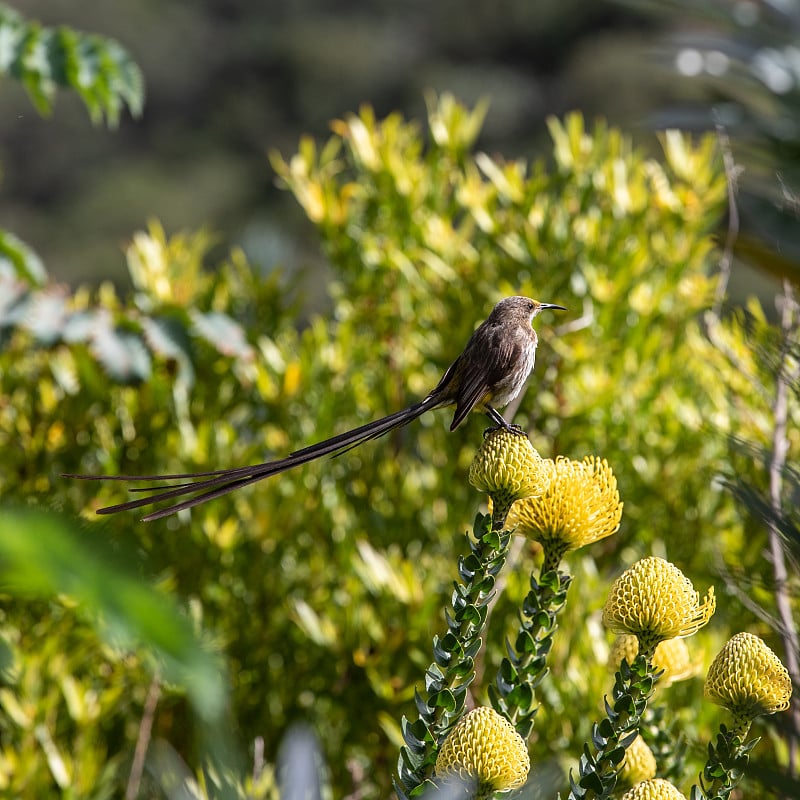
(508,468)
(639,763)
(484,748)
(655,789)
(748,679)
(580,506)
(654,601)
(671,658)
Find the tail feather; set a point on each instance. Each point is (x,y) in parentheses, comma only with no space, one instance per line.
(219,482)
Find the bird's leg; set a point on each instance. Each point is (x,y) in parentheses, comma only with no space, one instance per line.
(496,417)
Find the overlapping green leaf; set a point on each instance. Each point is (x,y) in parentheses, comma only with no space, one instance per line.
(45,59)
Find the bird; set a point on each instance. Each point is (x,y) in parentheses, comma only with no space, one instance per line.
(489,374)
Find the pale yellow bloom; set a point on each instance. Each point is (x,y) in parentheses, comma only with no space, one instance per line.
(655,789)
(654,601)
(484,747)
(639,763)
(508,468)
(748,679)
(580,506)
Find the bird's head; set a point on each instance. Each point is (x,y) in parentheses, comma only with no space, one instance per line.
(522,307)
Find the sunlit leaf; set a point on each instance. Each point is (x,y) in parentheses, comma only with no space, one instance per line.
(42,556)
(43,59)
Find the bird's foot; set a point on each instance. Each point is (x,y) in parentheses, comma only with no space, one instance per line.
(511,427)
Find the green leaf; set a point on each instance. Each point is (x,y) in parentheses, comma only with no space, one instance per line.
(481,526)
(625,704)
(605,729)
(99,69)
(507,672)
(441,656)
(491,540)
(443,699)
(463,668)
(550,580)
(616,756)
(17,259)
(42,556)
(593,782)
(470,614)
(541,620)
(122,354)
(222,332)
(525,642)
(521,696)
(426,787)
(451,644)
(420,730)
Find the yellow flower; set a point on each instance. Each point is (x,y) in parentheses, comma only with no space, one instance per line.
(656,789)
(671,657)
(580,506)
(484,747)
(507,468)
(639,763)
(654,601)
(748,679)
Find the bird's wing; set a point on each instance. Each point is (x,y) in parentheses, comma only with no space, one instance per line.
(485,362)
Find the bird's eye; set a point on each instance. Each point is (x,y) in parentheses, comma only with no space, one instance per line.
(530,306)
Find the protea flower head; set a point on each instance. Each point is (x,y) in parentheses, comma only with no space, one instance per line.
(581,506)
(639,763)
(654,601)
(654,789)
(508,468)
(484,748)
(748,679)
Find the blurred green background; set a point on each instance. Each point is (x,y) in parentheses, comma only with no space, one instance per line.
(227,80)
(304,312)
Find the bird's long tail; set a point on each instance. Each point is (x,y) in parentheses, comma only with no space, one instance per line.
(209,485)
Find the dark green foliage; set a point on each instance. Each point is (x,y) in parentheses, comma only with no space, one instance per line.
(125,342)
(453,669)
(662,734)
(44,59)
(525,666)
(726,765)
(738,74)
(599,765)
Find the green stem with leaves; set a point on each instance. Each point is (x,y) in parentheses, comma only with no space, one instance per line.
(665,741)
(525,666)
(453,669)
(726,764)
(633,687)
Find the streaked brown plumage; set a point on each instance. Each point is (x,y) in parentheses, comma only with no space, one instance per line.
(488,375)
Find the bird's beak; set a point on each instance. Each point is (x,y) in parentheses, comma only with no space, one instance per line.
(552,305)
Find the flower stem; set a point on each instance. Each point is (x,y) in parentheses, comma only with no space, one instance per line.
(633,687)
(726,764)
(513,693)
(453,667)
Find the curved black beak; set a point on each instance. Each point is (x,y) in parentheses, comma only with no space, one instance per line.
(553,305)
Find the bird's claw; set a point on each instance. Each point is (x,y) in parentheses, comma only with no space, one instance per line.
(511,427)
